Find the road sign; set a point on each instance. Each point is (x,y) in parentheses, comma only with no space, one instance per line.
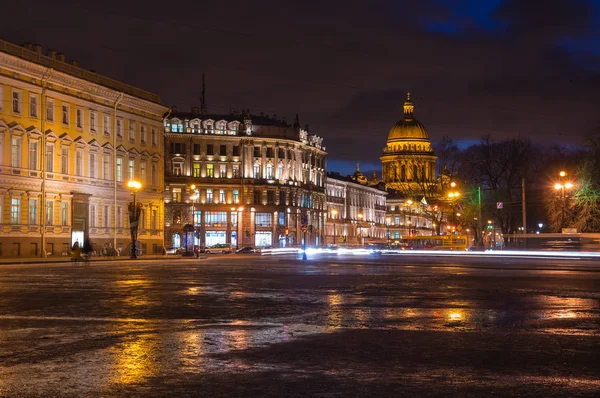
(304,227)
(499,205)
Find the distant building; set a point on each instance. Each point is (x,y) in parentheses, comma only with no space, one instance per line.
(355,211)
(243,180)
(66,156)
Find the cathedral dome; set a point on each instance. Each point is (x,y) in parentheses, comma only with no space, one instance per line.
(409,127)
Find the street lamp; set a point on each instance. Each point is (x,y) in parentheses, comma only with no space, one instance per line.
(333,214)
(360,218)
(134,216)
(560,188)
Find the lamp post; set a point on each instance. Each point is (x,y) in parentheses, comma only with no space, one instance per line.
(134,216)
(360,218)
(453,196)
(493,243)
(409,222)
(561,187)
(333,214)
(237,226)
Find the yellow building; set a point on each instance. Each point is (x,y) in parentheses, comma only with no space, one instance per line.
(70,140)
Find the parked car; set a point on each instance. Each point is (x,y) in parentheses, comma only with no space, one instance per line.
(174,250)
(248,249)
(220,248)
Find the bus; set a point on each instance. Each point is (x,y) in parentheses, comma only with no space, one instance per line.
(435,242)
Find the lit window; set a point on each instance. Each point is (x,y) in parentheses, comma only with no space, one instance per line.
(16,102)
(65,115)
(210,172)
(15,210)
(209,196)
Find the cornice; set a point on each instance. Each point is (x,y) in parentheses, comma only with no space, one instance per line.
(17,65)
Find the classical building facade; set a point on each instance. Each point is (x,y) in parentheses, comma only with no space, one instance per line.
(355,211)
(70,140)
(242,180)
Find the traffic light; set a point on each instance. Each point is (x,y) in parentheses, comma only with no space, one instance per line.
(286,231)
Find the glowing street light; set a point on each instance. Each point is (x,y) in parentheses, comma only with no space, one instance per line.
(334,212)
(360,218)
(560,188)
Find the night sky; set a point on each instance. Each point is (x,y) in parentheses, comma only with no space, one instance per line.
(474,67)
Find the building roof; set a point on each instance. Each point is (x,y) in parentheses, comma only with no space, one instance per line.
(408,127)
(57,61)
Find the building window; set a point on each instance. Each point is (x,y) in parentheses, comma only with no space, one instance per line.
(49,212)
(33,155)
(209,196)
(236,151)
(154,175)
(222,170)
(270,152)
(131,131)
(215,218)
(49,110)
(281,218)
(154,140)
(15,210)
(106,166)
(256,151)
(210,170)
(177,168)
(33,106)
(79,162)
(154,219)
(196,169)
(15,152)
(119,217)
(119,168)
(1,103)
(64,213)
(282,200)
(209,149)
(263,239)
(262,219)
(50,158)
(143,135)
(33,220)
(176,195)
(93,121)
(64,160)
(93,215)
(106,124)
(196,149)
(106,217)
(256,170)
(279,175)
(235,171)
(257,197)
(143,173)
(79,118)
(270,197)
(131,167)
(119,128)
(269,171)
(92,168)
(197,217)
(223,150)
(16,102)
(236,196)
(221,196)
(65,115)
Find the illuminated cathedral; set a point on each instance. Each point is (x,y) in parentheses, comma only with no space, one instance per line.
(408,160)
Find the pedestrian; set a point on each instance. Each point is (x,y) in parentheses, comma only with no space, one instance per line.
(76,252)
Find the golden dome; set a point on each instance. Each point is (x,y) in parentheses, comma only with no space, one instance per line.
(409,127)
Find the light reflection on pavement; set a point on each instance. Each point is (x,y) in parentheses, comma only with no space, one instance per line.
(311,328)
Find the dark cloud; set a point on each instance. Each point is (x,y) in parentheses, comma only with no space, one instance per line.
(480,67)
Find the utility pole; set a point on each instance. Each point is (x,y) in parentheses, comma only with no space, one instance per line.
(114,161)
(524,206)
(479,220)
(43,116)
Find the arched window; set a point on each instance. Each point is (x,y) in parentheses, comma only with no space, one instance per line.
(256,170)
(269,171)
